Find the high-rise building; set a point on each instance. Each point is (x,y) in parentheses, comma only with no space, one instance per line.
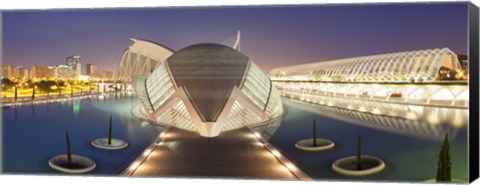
(106,75)
(9,71)
(74,63)
(23,72)
(42,72)
(64,72)
(92,70)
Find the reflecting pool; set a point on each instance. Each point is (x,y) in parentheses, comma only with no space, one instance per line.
(408,138)
(32,134)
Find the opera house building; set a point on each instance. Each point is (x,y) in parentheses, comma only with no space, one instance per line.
(204,88)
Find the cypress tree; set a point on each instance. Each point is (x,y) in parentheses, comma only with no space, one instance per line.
(444,164)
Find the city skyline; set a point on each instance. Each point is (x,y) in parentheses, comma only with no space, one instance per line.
(70,69)
(319,33)
(373,92)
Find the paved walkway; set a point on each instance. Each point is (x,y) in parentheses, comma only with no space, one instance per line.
(234,154)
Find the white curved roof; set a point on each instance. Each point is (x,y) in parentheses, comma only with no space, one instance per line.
(401,66)
(141,59)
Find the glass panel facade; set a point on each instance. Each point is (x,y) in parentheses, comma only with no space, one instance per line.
(177,115)
(159,86)
(256,86)
(240,116)
(140,88)
(274,107)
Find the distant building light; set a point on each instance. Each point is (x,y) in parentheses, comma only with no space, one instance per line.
(83,77)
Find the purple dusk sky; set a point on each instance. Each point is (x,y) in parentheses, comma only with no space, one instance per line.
(272,36)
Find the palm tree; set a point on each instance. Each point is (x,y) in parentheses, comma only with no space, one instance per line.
(16,93)
(33,93)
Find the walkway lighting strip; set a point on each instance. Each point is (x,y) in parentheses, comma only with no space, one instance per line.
(281,158)
(141,158)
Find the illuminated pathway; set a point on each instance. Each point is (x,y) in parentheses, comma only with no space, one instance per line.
(234,154)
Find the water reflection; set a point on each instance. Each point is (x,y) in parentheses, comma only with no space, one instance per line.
(15,112)
(417,121)
(123,106)
(33,110)
(76,107)
(87,121)
(267,130)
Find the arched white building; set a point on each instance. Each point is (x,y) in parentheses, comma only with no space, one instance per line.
(141,59)
(143,56)
(437,77)
(209,89)
(422,65)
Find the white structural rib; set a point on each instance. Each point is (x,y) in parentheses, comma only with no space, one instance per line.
(141,59)
(422,65)
(237,41)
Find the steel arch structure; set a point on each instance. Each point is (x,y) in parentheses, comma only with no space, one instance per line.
(141,58)
(421,65)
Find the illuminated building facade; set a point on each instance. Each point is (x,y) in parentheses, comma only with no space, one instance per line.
(64,72)
(425,77)
(92,71)
(24,73)
(209,89)
(106,75)
(42,72)
(9,71)
(74,63)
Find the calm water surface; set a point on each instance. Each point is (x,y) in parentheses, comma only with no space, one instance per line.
(407,138)
(32,134)
(409,143)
